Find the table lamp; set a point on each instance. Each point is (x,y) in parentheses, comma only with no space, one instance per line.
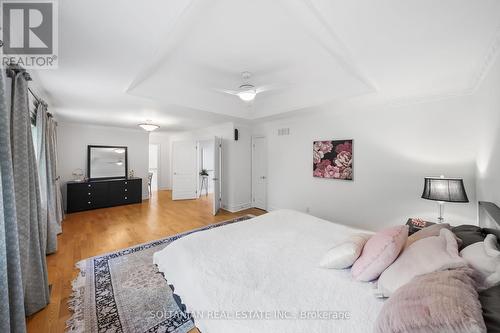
(443,190)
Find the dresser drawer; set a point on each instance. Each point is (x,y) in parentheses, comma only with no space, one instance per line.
(99,194)
(86,196)
(126,191)
(134,191)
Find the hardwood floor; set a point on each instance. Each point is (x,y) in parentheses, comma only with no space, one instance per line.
(92,233)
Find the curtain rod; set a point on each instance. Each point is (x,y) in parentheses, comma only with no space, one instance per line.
(39,100)
(12,69)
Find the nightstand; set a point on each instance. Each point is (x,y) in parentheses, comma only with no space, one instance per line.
(416,224)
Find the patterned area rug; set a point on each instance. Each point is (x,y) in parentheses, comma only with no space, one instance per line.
(124,292)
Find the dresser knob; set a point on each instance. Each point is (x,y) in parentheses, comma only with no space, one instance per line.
(89,193)
(90,185)
(126,198)
(126,183)
(125,190)
(88,202)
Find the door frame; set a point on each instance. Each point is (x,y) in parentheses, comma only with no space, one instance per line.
(254,137)
(158,164)
(218,151)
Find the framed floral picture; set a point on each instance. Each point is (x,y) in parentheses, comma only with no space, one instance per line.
(333,159)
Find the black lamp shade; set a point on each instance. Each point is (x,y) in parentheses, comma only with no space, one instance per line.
(444,189)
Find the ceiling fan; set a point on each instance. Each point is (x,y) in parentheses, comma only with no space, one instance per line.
(247,91)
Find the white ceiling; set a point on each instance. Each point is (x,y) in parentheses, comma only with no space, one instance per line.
(123,62)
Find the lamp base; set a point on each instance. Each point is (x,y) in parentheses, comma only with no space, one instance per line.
(441,212)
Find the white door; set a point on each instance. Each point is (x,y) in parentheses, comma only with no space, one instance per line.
(259,172)
(217,180)
(185,170)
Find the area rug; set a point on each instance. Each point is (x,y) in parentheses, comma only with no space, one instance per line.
(123,291)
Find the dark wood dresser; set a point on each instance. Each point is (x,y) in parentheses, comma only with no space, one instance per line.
(103,193)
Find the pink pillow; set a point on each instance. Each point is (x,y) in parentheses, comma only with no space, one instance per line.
(379,252)
(443,301)
(427,255)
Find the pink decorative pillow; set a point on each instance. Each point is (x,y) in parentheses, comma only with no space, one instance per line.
(427,255)
(429,231)
(379,252)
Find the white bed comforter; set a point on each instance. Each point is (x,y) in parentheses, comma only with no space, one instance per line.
(267,269)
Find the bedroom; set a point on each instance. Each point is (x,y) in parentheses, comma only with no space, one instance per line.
(326,128)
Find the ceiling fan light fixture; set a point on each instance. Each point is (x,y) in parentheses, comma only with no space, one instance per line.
(247,93)
(149,127)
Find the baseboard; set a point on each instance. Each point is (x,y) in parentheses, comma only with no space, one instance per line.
(237,208)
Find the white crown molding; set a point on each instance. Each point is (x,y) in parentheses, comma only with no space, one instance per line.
(325,36)
(423,98)
(486,62)
(483,69)
(165,48)
(318,30)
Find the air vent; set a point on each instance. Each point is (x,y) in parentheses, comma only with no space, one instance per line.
(283,131)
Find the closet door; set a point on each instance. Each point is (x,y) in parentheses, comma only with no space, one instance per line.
(259,172)
(185,170)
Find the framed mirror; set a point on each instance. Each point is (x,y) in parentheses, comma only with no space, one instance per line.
(107,162)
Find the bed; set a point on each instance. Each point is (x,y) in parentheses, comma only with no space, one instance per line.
(262,275)
(225,276)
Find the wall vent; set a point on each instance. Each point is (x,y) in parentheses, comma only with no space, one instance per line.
(283,131)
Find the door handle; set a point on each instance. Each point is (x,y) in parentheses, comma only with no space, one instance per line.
(263,177)
(215,179)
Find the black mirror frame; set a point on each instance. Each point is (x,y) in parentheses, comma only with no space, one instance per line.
(89,147)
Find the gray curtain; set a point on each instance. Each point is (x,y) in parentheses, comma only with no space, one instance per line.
(46,175)
(32,230)
(58,199)
(11,287)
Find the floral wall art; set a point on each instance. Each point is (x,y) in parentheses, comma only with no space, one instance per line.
(333,159)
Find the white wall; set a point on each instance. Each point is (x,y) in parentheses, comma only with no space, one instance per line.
(394,149)
(239,174)
(72,149)
(488,159)
(163,139)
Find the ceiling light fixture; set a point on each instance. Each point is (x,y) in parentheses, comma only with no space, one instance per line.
(148,126)
(247,93)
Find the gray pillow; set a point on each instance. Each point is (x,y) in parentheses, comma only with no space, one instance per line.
(490,302)
(470,234)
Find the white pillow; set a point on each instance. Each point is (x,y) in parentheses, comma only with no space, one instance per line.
(484,257)
(344,254)
(427,255)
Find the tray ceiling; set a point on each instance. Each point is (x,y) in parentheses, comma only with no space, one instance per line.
(167,60)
